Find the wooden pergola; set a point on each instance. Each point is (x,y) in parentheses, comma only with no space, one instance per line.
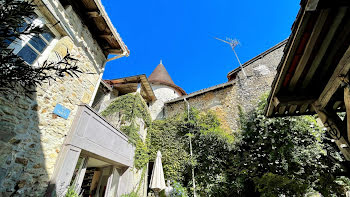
(130,84)
(313,75)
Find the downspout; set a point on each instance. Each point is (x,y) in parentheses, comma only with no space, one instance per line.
(193,179)
(125,53)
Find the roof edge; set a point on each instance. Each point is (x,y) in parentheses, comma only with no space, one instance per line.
(202,91)
(112,28)
(178,88)
(277,46)
(108,81)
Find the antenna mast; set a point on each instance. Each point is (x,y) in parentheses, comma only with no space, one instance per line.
(233,43)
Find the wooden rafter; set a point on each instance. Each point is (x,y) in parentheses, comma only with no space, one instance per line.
(333,84)
(145,90)
(323,48)
(347,105)
(291,50)
(114,51)
(106,36)
(93,14)
(287,101)
(334,127)
(308,49)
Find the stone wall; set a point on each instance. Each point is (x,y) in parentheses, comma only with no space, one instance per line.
(31,136)
(224,99)
(216,100)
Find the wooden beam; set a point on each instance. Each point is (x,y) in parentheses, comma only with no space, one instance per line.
(114,51)
(333,124)
(311,5)
(303,108)
(334,82)
(292,100)
(276,102)
(308,49)
(323,48)
(296,36)
(337,105)
(347,106)
(106,36)
(124,85)
(282,109)
(342,38)
(145,90)
(93,14)
(292,109)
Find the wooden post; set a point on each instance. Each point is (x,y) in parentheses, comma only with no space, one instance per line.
(347,106)
(333,124)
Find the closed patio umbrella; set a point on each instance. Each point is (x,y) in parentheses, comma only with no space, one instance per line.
(157,183)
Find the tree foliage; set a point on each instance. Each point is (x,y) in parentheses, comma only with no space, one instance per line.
(284,156)
(14,71)
(211,146)
(267,157)
(164,136)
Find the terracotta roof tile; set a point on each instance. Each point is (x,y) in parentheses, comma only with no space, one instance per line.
(161,76)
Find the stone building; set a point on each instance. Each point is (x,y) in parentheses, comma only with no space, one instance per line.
(57,138)
(164,89)
(155,90)
(244,91)
(165,99)
(53,138)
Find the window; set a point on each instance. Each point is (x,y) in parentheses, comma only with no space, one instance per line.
(30,47)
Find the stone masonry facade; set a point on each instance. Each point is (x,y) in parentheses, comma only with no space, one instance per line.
(224,99)
(31,136)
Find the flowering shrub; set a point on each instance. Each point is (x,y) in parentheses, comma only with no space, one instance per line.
(178,190)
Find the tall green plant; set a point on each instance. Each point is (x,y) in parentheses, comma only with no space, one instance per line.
(211,147)
(286,155)
(131,107)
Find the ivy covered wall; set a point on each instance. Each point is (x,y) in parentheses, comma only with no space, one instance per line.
(130,114)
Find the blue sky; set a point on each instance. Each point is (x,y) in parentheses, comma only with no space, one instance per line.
(181,33)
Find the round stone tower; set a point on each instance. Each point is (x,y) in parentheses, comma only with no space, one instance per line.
(164,89)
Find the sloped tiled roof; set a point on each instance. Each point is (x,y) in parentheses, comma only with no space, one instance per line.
(161,76)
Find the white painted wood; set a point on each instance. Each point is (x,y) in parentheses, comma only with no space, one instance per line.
(81,173)
(65,171)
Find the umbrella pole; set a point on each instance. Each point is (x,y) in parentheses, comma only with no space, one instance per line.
(156,192)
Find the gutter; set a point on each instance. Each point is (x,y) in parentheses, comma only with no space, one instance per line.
(124,54)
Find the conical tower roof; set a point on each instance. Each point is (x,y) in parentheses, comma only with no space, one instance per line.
(161,76)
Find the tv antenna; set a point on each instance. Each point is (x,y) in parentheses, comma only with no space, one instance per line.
(233,43)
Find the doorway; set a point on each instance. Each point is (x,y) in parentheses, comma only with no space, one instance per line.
(95,178)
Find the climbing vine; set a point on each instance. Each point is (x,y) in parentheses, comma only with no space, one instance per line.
(211,145)
(131,107)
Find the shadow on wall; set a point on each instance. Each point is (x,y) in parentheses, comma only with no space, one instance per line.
(22,160)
